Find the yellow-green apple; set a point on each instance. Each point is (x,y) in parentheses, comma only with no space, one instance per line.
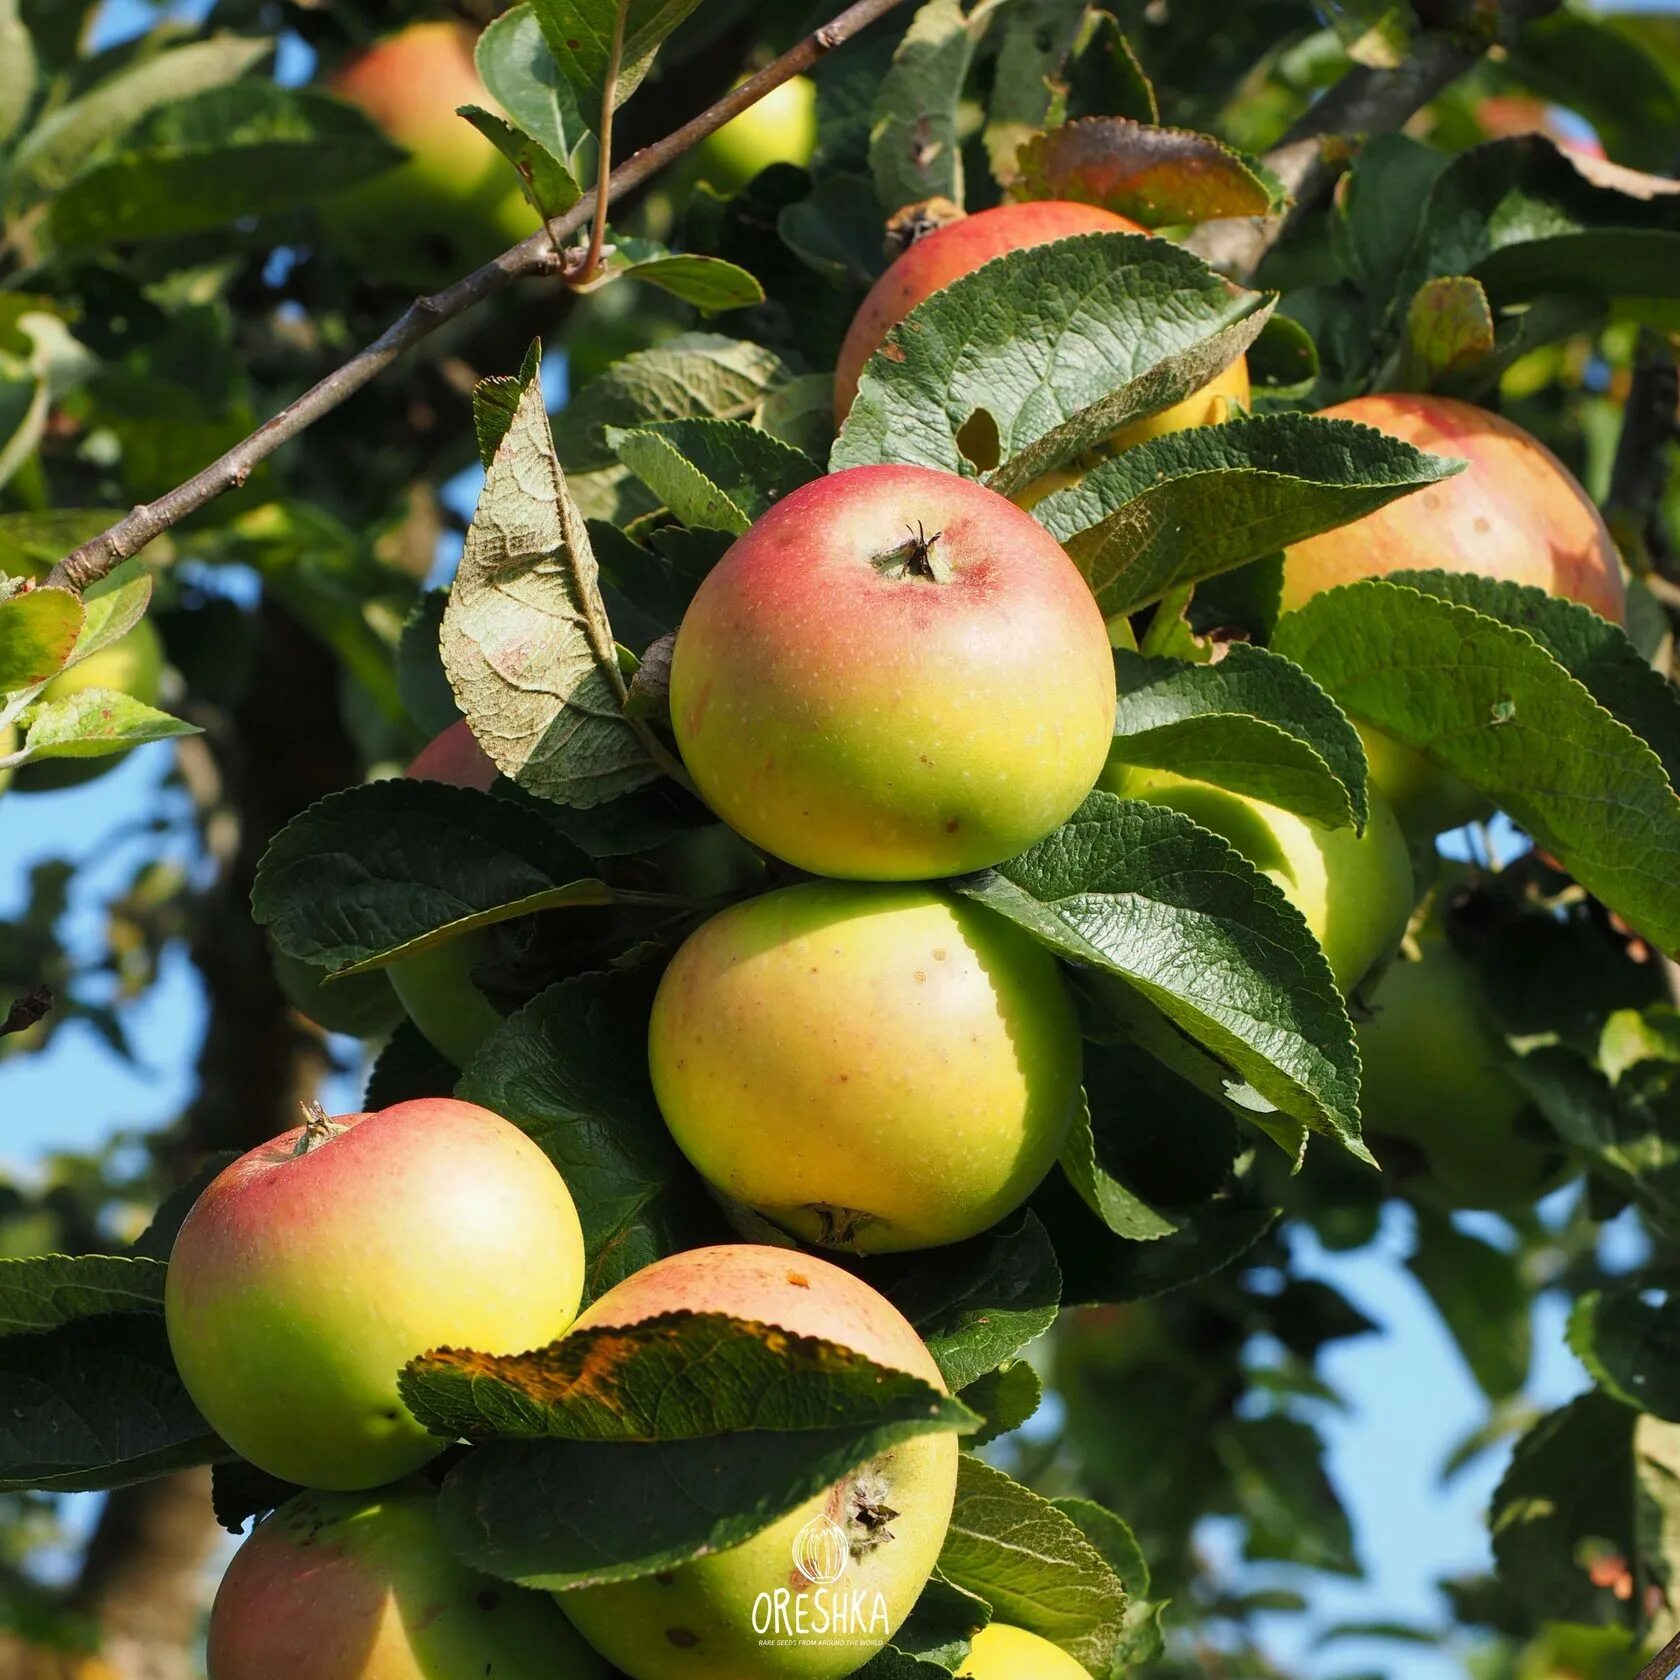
(1515,512)
(8,744)
(959,248)
(1355,891)
(871,1067)
(356,1586)
(316,1266)
(1000,1652)
(435,985)
(131,665)
(819,1591)
(1437,1073)
(455,202)
(780,128)
(895,674)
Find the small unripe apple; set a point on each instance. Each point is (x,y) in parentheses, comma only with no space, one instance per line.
(1000,1652)
(871,1067)
(132,665)
(315,1267)
(455,203)
(8,744)
(780,128)
(337,1586)
(895,674)
(1516,512)
(1355,891)
(959,248)
(752,1612)
(435,986)
(1437,1073)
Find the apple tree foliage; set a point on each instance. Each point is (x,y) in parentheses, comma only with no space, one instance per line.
(166,283)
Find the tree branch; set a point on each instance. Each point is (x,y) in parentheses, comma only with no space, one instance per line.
(531,257)
(1364,101)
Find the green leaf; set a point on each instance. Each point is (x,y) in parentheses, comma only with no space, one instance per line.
(30,543)
(1030,81)
(1057,345)
(709,283)
(110,613)
(1483,1298)
(550,188)
(580,36)
(57,149)
(253,149)
(1192,504)
(1141,893)
(1596,653)
(1123,1212)
(570,1070)
(495,403)
(94,723)
(1253,723)
(38,628)
(980,1302)
(96,1404)
(526,641)
(1490,705)
(915,151)
(240,1491)
(837,230)
(1630,1344)
(1005,1398)
(395,867)
(1155,176)
(693,375)
(1449,332)
(681,1376)
(47,1290)
(718,474)
(421,683)
(1380,206)
(940,1624)
(514,63)
(17,70)
(1276,1466)
(1032,1564)
(408,1067)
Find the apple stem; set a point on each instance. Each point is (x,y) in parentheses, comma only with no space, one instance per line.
(914,557)
(317,1128)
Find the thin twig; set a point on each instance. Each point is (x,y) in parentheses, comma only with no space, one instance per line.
(1663,1663)
(585,271)
(532,256)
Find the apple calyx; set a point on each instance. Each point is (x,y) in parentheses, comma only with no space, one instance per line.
(840,1225)
(318,1128)
(870,1514)
(915,558)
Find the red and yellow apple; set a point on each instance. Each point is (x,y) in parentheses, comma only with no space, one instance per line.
(895,674)
(1355,891)
(1000,1652)
(873,1068)
(456,201)
(1515,512)
(337,1586)
(780,128)
(1437,1073)
(435,985)
(722,1617)
(959,248)
(316,1266)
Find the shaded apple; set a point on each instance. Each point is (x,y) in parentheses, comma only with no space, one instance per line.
(1355,891)
(878,1530)
(337,1586)
(780,128)
(315,1266)
(873,1068)
(895,674)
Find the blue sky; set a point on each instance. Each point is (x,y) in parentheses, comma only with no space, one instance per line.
(1409,1397)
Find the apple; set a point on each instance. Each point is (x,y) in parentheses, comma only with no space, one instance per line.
(895,674)
(348,1586)
(872,1068)
(1355,891)
(435,986)
(780,128)
(132,665)
(8,744)
(1437,1073)
(362,1006)
(697,1622)
(1515,512)
(959,248)
(313,1268)
(999,1652)
(456,202)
